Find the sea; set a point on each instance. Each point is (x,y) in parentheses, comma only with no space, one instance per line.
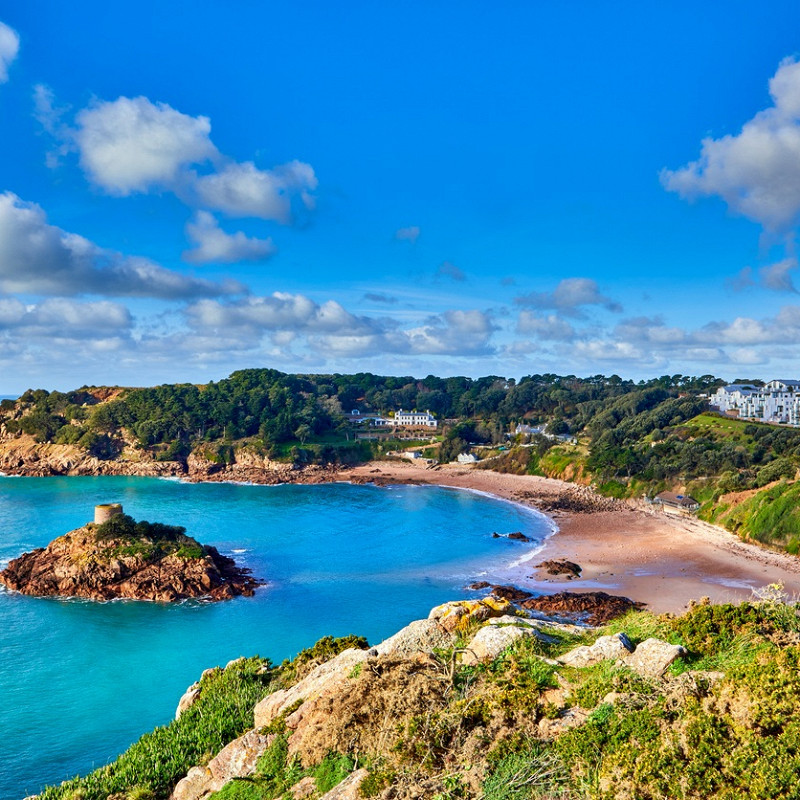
(81,680)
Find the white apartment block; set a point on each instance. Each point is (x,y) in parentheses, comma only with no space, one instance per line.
(777,401)
(414,419)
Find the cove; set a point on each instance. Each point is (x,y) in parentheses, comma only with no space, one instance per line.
(83,680)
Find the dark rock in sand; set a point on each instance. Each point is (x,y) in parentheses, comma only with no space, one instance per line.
(560,567)
(510,593)
(594,608)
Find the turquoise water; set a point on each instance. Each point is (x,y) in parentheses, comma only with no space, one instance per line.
(82,680)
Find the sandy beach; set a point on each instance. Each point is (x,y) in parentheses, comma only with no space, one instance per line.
(662,559)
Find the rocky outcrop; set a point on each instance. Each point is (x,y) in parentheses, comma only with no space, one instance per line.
(592,608)
(237,759)
(613,647)
(79,564)
(491,640)
(22,455)
(652,657)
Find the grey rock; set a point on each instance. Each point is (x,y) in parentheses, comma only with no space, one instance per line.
(188,699)
(422,635)
(617,646)
(652,657)
(491,640)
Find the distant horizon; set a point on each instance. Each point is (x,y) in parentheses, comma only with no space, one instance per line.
(539,188)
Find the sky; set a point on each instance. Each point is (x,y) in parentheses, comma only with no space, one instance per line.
(455,188)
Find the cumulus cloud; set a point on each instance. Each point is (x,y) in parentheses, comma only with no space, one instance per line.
(549,326)
(449,270)
(132,145)
(757,171)
(64,317)
(329,328)
(9,47)
(243,190)
(212,244)
(568,296)
(409,234)
(39,258)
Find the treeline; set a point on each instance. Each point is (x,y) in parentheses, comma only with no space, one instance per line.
(272,409)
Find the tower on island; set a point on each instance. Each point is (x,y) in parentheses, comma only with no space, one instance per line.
(105,511)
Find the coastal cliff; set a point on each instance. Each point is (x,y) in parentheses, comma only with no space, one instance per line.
(482,699)
(125,559)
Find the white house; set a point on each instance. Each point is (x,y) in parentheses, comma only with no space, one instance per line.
(415,419)
(777,401)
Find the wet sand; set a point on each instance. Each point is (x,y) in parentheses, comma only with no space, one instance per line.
(659,558)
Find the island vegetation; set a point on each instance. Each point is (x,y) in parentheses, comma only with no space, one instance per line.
(123,558)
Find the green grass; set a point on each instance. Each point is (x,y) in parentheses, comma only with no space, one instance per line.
(159,759)
(771,516)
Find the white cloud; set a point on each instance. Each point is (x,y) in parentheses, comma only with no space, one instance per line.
(409,234)
(134,145)
(39,258)
(212,244)
(757,171)
(550,326)
(9,47)
(243,190)
(131,145)
(61,317)
(329,328)
(568,296)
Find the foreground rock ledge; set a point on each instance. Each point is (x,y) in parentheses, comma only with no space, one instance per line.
(163,565)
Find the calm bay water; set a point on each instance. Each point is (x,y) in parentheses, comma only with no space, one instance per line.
(82,680)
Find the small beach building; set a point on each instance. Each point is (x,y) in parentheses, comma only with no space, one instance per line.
(682,502)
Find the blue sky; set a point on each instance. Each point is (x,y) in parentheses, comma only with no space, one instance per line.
(191,188)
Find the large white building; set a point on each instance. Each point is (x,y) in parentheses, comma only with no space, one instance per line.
(777,401)
(413,419)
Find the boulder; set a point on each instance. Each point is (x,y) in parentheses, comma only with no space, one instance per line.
(617,646)
(237,759)
(188,699)
(422,635)
(348,789)
(652,657)
(459,613)
(326,679)
(491,640)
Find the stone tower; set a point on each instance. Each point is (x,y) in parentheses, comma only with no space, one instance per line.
(105,511)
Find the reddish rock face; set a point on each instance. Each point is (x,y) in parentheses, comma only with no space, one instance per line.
(78,565)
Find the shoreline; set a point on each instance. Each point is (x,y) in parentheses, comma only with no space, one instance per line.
(659,558)
(662,559)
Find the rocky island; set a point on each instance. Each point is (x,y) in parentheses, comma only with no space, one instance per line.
(117,557)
